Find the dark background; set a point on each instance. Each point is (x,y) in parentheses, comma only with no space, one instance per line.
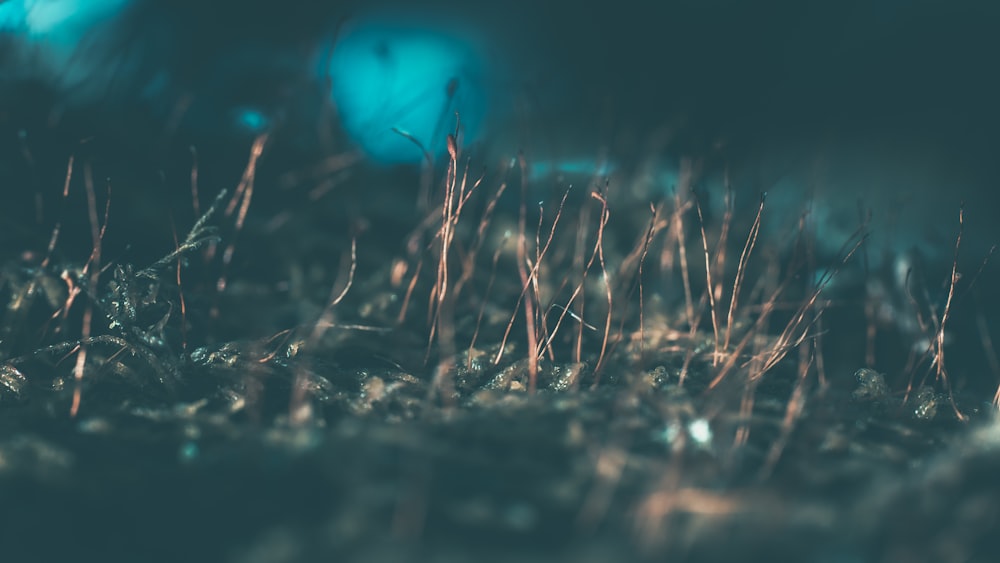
(743,82)
(775,67)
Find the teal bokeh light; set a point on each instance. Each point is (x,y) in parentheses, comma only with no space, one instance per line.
(61,21)
(251,120)
(51,33)
(394,80)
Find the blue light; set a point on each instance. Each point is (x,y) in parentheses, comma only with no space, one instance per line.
(252,120)
(394,80)
(63,22)
(188,452)
(584,168)
(12,16)
(50,32)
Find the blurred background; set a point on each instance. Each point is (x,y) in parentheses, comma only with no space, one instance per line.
(722,68)
(891,102)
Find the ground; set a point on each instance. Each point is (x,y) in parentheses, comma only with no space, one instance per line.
(340,376)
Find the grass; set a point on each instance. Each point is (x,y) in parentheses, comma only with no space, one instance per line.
(639,377)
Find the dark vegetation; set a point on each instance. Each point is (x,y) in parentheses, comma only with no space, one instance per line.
(246,353)
(285,368)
